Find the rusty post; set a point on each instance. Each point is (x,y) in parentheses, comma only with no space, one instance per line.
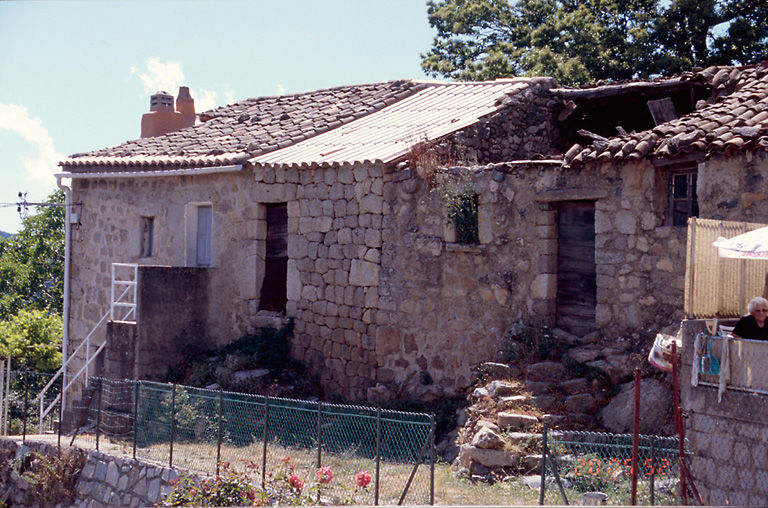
(635,436)
(678,424)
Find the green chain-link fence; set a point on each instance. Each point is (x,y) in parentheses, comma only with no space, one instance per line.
(596,468)
(19,409)
(199,429)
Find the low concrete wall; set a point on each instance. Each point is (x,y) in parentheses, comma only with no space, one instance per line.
(729,457)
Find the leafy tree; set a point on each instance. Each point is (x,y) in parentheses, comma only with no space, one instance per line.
(32,337)
(579,41)
(32,262)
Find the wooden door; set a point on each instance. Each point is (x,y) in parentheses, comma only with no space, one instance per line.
(273,289)
(576,286)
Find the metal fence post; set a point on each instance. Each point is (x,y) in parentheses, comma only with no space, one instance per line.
(653,468)
(173,423)
(218,438)
(432,460)
(61,418)
(636,437)
(2,393)
(543,464)
(266,435)
(378,456)
(7,397)
(26,404)
(135,414)
(319,433)
(98,413)
(319,440)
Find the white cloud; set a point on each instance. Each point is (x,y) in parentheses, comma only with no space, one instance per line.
(168,77)
(165,76)
(40,167)
(280,89)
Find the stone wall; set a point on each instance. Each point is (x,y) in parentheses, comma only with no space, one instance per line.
(448,304)
(729,459)
(104,481)
(380,291)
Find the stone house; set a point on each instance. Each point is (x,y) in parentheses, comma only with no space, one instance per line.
(334,208)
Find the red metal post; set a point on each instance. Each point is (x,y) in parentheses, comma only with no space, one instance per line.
(636,437)
(679,424)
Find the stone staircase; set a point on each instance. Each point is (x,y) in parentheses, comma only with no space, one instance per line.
(500,433)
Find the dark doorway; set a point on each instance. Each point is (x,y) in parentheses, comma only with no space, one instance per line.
(273,290)
(576,287)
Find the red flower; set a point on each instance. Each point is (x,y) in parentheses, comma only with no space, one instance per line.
(295,482)
(285,459)
(363,478)
(192,492)
(324,475)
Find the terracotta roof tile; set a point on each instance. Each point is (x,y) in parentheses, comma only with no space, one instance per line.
(735,118)
(249,128)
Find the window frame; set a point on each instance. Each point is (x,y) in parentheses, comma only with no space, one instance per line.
(690,199)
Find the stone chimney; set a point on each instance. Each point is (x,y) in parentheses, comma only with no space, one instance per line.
(162,118)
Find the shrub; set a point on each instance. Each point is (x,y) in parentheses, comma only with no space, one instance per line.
(236,488)
(55,476)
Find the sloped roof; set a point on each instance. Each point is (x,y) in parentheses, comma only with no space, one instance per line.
(231,134)
(735,118)
(372,122)
(434,111)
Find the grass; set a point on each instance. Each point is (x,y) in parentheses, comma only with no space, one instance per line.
(449,489)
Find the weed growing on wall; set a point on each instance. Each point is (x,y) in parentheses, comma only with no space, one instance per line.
(443,167)
(55,476)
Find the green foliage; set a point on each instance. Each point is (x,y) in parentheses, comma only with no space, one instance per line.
(284,487)
(33,339)
(529,344)
(268,347)
(462,211)
(461,204)
(32,262)
(55,476)
(581,41)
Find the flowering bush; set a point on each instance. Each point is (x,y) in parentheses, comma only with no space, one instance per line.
(363,478)
(236,488)
(324,475)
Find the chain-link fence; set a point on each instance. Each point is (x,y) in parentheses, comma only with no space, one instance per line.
(19,409)
(199,429)
(597,468)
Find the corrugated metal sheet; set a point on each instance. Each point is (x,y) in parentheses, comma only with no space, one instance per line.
(383,136)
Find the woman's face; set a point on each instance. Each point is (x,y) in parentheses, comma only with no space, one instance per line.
(760,311)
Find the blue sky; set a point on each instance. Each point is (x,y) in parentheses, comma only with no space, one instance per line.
(77,76)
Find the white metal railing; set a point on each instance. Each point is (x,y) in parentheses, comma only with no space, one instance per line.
(123,292)
(125,300)
(89,358)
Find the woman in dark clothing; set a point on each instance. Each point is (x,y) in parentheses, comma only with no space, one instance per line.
(752,326)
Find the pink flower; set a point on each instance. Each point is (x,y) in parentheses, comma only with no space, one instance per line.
(363,478)
(324,475)
(285,459)
(295,482)
(192,492)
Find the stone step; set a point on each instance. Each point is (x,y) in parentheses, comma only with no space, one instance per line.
(516,421)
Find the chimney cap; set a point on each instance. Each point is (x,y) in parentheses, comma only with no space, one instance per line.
(161,101)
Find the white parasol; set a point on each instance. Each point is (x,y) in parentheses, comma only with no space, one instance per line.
(750,245)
